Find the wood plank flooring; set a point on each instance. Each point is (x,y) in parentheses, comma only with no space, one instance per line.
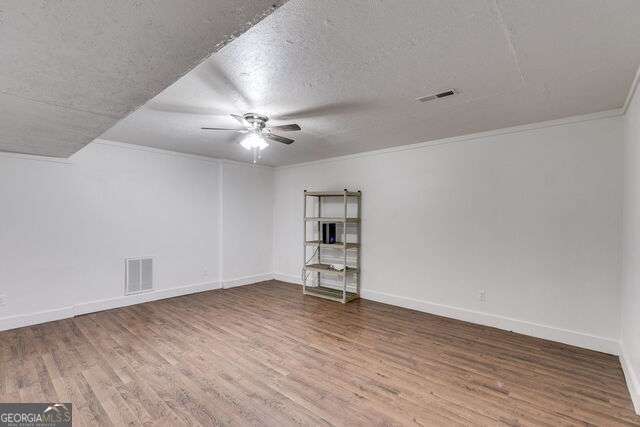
(265,355)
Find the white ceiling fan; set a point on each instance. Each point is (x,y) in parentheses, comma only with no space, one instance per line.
(258,134)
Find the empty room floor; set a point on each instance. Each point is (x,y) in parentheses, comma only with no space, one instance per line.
(266,355)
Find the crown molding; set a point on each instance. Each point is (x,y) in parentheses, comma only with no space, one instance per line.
(36,158)
(465,138)
(632,91)
(153,150)
(162,151)
(245,164)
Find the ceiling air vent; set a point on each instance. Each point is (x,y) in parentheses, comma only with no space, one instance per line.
(138,275)
(438,95)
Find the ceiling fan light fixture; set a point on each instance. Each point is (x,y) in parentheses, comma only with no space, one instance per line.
(254,141)
(257,133)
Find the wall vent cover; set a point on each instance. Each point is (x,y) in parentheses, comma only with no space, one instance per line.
(437,95)
(138,275)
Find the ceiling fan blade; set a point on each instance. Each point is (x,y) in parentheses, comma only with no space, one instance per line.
(332,109)
(221,83)
(183,109)
(286,128)
(241,119)
(226,129)
(278,138)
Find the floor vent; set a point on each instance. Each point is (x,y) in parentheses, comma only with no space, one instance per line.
(138,275)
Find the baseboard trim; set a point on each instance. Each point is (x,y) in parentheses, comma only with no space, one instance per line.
(31,319)
(20,321)
(247,280)
(158,294)
(294,280)
(578,339)
(631,377)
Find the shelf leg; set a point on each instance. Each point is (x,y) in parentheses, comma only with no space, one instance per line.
(304,244)
(359,248)
(319,237)
(344,242)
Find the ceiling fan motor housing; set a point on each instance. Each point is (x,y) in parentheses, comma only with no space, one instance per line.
(257,121)
(256,126)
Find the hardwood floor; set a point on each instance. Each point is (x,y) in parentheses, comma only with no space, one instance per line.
(265,355)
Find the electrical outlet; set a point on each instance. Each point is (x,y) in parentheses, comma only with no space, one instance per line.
(483,296)
(205,273)
(3,299)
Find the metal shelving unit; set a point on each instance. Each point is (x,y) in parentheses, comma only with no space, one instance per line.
(350,275)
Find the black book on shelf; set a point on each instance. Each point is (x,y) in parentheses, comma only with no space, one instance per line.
(328,233)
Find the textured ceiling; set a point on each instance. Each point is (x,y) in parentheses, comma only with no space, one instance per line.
(349,73)
(71,69)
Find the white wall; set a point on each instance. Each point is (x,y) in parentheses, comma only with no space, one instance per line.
(630,320)
(37,246)
(532,217)
(132,203)
(67,226)
(247,224)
